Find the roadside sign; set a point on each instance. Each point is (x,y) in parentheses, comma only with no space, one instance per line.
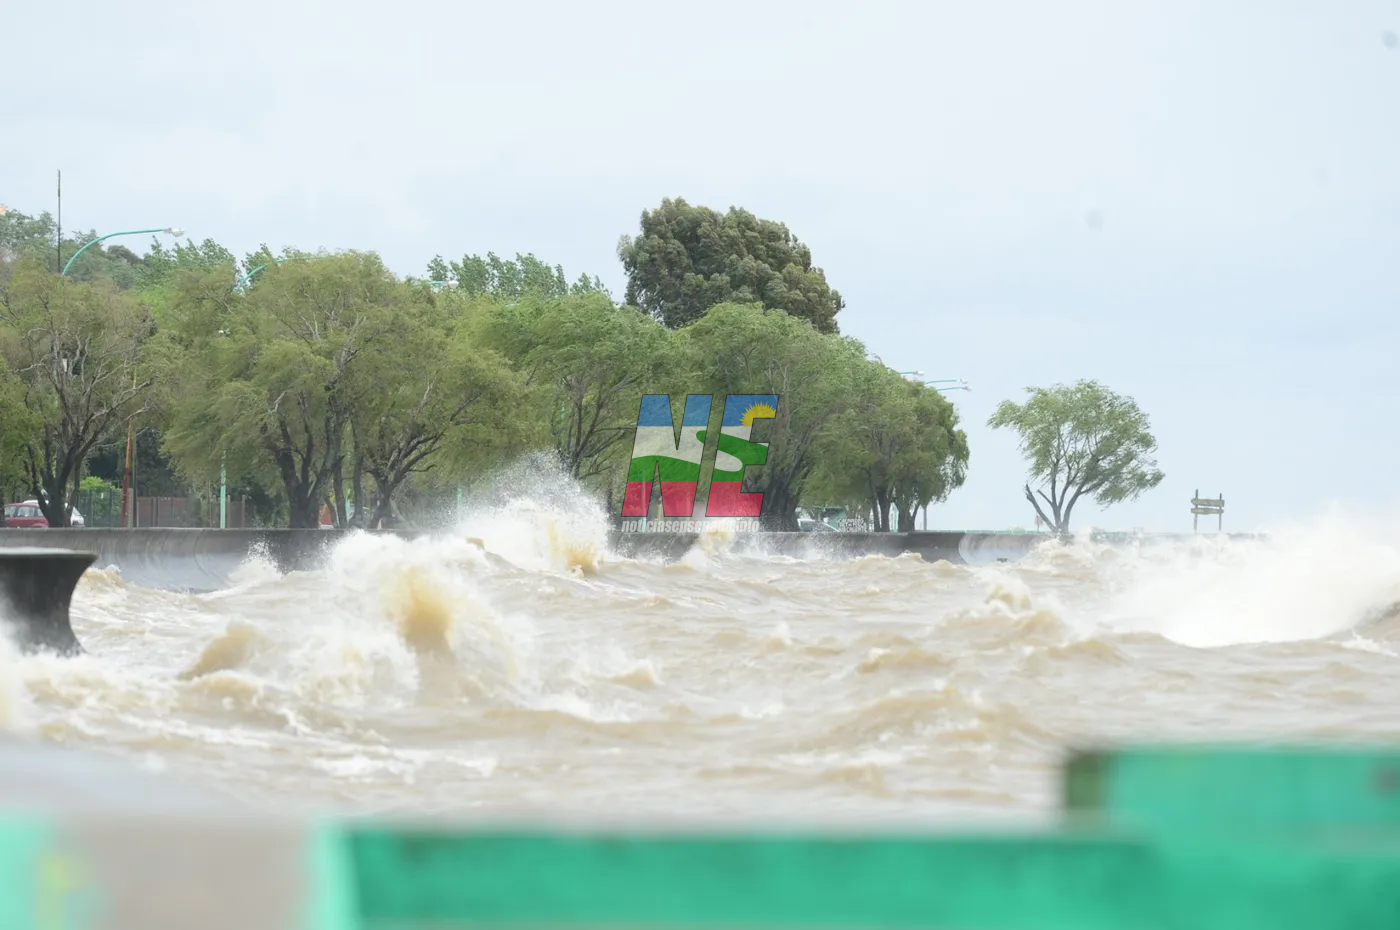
(1207,507)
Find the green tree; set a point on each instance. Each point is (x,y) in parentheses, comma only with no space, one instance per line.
(78,351)
(935,464)
(20,423)
(265,376)
(510,280)
(160,263)
(22,234)
(430,394)
(744,349)
(897,447)
(587,362)
(1080,440)
(688,259)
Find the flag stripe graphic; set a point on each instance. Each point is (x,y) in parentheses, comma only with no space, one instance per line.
(659,454)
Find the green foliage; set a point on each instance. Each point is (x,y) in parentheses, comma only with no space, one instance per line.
(95,485)
(1079,440)
(160,263)
(112,260)
(21,235)
(510,280)
(743,348)
(314,378)
(689,259)
(36,237)
(430,389)
(586,363)
(896,446)
(77,350)
(17,424)
(267,376)
(934,465)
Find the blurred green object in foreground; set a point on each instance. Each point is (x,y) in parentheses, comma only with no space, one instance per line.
(1177,838)
(1066,881)
(1196,789)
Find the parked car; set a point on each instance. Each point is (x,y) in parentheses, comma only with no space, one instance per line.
(25,515)
(75,519)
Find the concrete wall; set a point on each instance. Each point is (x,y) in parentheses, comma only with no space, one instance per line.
(204,559)
(176,558)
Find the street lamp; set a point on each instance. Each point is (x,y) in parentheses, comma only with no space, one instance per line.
(169,231)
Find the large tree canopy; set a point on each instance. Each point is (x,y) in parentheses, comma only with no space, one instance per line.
(587,362)
(1079,440)
(688,259)
(315,378)
(77,350)
(268,375)
(897,446)
(744,349)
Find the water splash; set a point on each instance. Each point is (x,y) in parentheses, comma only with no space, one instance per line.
(512,660)
(225,653)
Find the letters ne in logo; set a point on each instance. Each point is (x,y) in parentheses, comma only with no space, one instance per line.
(656,452)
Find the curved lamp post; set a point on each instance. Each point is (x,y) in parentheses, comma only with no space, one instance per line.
(169,231)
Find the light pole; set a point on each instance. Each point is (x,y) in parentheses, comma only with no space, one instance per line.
(169,231)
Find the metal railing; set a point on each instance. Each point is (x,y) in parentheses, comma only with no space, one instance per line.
(104,508)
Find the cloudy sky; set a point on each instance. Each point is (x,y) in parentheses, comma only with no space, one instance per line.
(1240,163)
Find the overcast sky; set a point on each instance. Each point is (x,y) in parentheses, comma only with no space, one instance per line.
(942,160)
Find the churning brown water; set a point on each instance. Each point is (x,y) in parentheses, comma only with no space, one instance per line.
(533,671)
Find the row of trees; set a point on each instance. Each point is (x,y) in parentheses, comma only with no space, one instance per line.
(327,378)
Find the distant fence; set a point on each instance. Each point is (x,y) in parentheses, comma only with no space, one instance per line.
(104,508)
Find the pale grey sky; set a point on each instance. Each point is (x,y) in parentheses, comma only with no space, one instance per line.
(939,158)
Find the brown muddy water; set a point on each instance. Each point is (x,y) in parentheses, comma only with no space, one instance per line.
(533,672)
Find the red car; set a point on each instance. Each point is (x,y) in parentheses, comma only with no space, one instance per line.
(25,515)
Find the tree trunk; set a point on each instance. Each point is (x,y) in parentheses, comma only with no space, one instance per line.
(882,511)
(303,511)
(1057,520)
(54,507)
(358,489)
(338,494)
(906,519)
(384,510)
(779,511)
